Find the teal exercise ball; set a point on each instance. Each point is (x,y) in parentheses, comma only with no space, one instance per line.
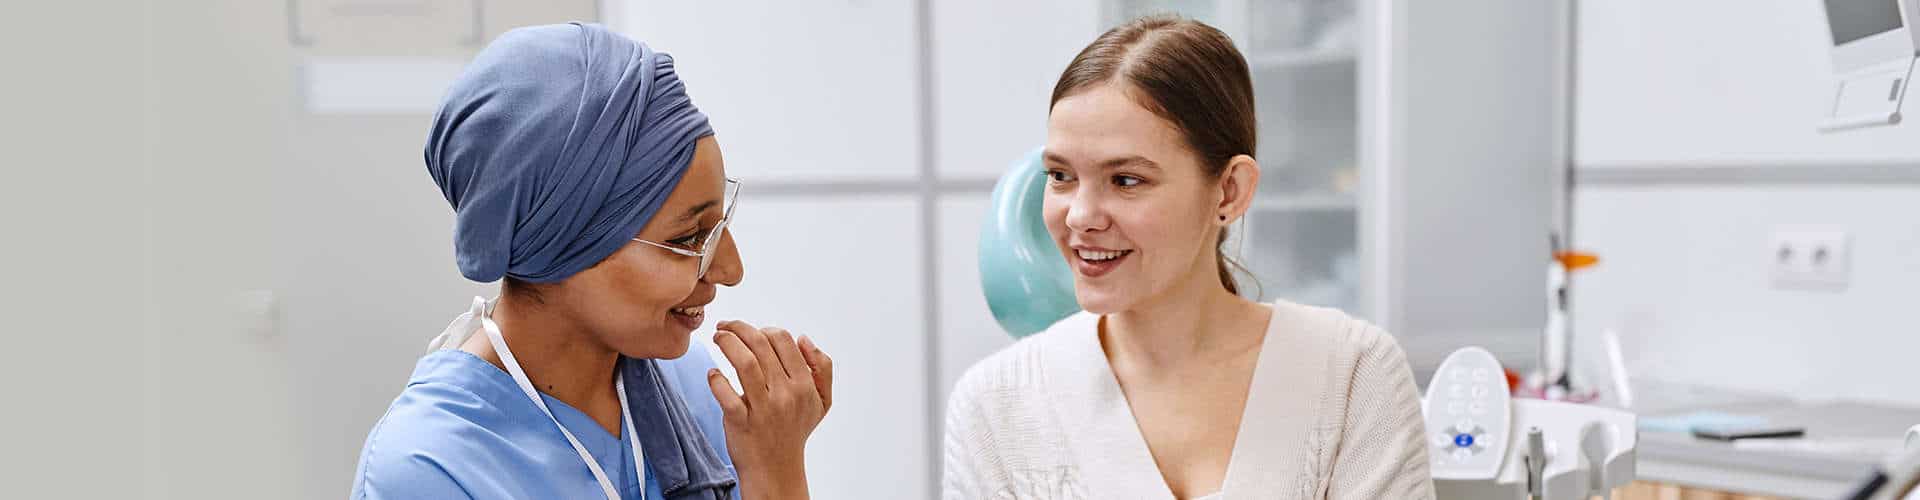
(1026,280)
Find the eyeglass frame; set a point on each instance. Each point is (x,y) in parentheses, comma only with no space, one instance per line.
(710,244)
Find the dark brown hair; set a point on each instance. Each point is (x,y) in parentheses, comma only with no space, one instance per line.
(1189,74)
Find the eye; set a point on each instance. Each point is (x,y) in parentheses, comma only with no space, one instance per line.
(1127,181)
(1058,176)
(690,241)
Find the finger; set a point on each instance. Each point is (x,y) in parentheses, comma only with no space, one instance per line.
(790,358)
(731,406)
(745,364)
(822,367)
(756,340)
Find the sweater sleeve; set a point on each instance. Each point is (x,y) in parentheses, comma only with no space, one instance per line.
(1383,450)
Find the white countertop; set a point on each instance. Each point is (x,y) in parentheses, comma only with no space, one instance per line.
(1843,442)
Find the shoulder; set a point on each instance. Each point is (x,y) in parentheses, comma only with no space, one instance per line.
(1363,364)
(1029,365)
(414,449)
(1358,365)
(1020,390)
(1347,338)
(1002,419)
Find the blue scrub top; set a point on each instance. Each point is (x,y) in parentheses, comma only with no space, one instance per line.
(463,429)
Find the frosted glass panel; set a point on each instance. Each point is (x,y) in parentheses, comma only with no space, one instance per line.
(1305,255)
(846,271)
(967,332)
(802,91)
(1307,129)
(1293,25)
(1207,11)
(996,73)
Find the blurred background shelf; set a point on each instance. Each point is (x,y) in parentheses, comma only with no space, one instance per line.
(1304,202)
(1301,59)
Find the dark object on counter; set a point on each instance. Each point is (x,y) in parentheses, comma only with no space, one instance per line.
(1732,433)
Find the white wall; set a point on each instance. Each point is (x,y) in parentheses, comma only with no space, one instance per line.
(1684,276)
(142,218)
(220,422)
(76,238)
(1713,83)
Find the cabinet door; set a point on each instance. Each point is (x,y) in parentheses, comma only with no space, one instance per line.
(1464,131)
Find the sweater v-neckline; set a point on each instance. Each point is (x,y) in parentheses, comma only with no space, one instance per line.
(1275,420)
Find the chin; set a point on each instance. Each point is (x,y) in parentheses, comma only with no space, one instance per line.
(658,345)
(1101,301)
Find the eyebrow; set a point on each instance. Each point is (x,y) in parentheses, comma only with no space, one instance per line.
(1131,160)
(697,209)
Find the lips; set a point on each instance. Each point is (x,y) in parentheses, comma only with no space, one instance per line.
(700,310)
(692,313)
(1093,262)
(689,317)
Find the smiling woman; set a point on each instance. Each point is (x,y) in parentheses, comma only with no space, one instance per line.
(583,178)
(1171,385)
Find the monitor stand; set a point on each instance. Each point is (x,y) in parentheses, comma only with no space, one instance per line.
(1868,96)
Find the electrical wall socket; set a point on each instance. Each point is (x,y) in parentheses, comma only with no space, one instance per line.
(1810,258)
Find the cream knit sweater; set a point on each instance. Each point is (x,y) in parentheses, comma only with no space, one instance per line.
(1332,413)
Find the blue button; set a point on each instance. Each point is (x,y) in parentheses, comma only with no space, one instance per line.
(1463,440)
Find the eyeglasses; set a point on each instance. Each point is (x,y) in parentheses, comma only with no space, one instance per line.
(712,239)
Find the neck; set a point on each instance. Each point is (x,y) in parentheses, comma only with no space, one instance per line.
(562,359)
(1198,322)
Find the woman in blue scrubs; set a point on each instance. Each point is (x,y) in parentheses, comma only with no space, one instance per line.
(583,178)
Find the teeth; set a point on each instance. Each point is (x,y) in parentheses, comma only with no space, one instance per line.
(690,311)
(1093,255)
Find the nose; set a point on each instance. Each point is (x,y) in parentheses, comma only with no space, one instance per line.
(726,268)
(1085,212)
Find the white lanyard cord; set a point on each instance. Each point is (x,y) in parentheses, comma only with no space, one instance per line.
(484,315)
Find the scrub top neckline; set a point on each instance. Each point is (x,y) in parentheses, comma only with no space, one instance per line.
(500,380)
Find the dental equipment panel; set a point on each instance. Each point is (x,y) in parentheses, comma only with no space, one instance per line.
(1488,445)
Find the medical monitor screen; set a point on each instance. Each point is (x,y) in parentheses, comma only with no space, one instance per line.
(1856,19)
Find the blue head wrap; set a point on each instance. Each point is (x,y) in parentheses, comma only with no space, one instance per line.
(555,146)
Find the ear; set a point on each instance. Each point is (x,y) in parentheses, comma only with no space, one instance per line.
(1237,185)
